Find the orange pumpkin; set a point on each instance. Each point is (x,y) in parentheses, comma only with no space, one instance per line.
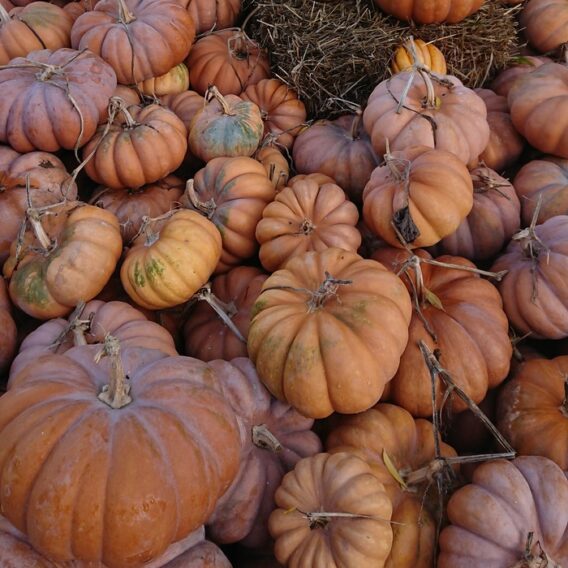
(208,16)
(428,54)
(78,8)
(328,330)
(545,24)
(519,66)
(430,11)
(8,331)
(185,105)
(275,164)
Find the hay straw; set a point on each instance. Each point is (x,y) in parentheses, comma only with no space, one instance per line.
(334,53)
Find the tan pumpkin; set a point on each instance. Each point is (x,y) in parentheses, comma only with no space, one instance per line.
(425,193)
(306,536)
(228,59)
(306,217)
(430,12)
(173,82)
(283,113)
(428,54)
(327,332)
(206,333)
(545,24)
(8,331)
(438,112)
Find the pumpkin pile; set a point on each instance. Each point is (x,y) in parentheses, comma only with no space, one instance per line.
(235,333)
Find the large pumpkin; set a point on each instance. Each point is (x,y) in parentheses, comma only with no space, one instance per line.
(122,470)
(67,256)
(455,312)
(206,333)
(360,537)
(435,111)
(339,148)
(37,26)
(275,438)
(232,193)
(328,330)
(425,193)
(170,261)
(121,31)
(8,331)
(534,291)
(306,217)
(68,91)
(430,11)
(533,410)
(512,514)
(393,443)
(545,24)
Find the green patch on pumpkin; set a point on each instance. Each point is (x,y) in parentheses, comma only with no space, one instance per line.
(154,270)
(139,279)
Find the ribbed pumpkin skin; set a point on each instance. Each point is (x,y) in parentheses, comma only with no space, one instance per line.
(430,12)
(170,270)
(427,53)
(206,336)
(546,316)
(242,513)
(227,59)
(37,26)
(8,331)
(438,194)
(275,164)
(533,411)
(521,66)
(185,105)
(493,516)
(339,148)
(133,156)
(173,82)
(409,443)
(55,122)
(178,439)
(338,356)
(163,24)
(460,118)
(49,183)
(472,321)
(541,98)
(88,247)
(546,178)
(306,217)
(545,23)
(209,15)
(335,483)
(78,8)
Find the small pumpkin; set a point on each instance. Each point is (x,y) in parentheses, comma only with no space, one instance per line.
(545,24)
(173,82)
(306,217)
(305,535)
(225,127)
(430,12)
(428,54)
(327,332)
(8,331)
(171,259)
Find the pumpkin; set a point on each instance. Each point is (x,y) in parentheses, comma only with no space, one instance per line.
(519,66)
(493,220)
(430,12)
(535,297)
(306,217)
(512,514)
(305,529)
(68,92)
(131,205)
(281,110)
(545,179)
(129,95)
(78,8)
(48,183)
(275,438)
(425,193)
(228,59)
(175,81)
(168,429)
(232,193)
(455,312)
(171,259)
(185,105)
(437,111)
(428,54)
(338,148)
(275,164)
(327,332)
(89,324)
(141,146)
(66,257)
(120,31)
(226,127)
(541,98)
(231,295)
(8,331)
(393,443)
(545,24)
(37,26)
(207,16)
(505,145)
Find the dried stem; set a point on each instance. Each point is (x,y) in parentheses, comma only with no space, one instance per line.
(35,220)
(116,393)
(125,16)
(75,325)
(263,438)
(207,208)
(535,556)
(354,133)
(214,93)
(320,519)
(4,16)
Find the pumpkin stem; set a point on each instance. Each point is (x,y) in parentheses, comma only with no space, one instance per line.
(263,438)
(146,227)
(354,133)
(564,407)
(125,16)
(35,220)
(4,16)
(73,322)
(483,183)
(306,227)
(116,393)
(535,556)
(320,519)
(117,105)
(214,93)
(328,288)
(207,208)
